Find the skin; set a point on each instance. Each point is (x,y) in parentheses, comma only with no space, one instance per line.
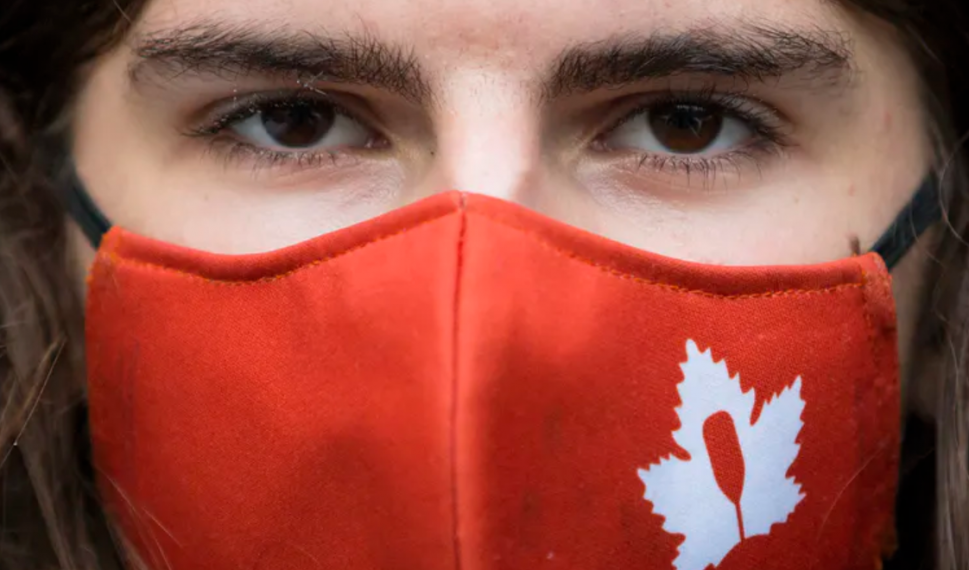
(855,147)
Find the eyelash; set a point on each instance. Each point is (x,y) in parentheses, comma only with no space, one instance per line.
(235,150)
(764,122)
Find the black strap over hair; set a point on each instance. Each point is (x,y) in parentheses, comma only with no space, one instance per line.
(85,212)
(923,210)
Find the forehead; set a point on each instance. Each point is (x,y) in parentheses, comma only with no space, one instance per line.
(451,35)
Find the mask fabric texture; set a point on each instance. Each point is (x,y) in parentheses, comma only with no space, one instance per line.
(466,384)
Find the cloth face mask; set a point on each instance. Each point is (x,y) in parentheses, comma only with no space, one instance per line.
(465,384)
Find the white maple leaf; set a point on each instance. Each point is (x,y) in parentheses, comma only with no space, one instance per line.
(687,493)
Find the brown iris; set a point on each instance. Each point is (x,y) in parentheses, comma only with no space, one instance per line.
(685,129)
(298,126)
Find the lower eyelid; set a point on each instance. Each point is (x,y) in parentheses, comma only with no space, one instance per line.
(235,153)
(754,156)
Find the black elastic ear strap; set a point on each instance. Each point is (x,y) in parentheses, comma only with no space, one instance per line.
(87,215)
(923,210)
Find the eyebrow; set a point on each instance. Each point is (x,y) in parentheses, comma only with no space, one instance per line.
(221,50)
(749,53)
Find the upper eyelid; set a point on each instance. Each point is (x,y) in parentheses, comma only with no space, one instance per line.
(216,120)
(629,106)
(728,101)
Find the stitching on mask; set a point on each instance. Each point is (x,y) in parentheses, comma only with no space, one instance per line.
(875,542)
(116,259)
(872,539)
(667,286)
(851,482)
(869,327)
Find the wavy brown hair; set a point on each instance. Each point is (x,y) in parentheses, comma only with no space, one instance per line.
(50,516)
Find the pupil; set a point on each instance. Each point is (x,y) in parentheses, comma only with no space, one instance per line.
(685,129)
(298,126)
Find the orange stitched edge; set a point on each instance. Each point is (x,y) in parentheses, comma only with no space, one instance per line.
(869,327)
(667,286)
(116,259)
(877,536)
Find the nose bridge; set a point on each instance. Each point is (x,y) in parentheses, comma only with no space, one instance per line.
(488,133)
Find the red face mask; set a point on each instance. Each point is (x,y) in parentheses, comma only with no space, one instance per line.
(464,384)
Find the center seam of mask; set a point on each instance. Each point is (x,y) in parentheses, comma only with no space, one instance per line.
(455,384)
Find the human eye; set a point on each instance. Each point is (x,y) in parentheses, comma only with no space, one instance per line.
(271,129)
(703,132)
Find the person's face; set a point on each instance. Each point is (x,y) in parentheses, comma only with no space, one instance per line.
(723,131)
